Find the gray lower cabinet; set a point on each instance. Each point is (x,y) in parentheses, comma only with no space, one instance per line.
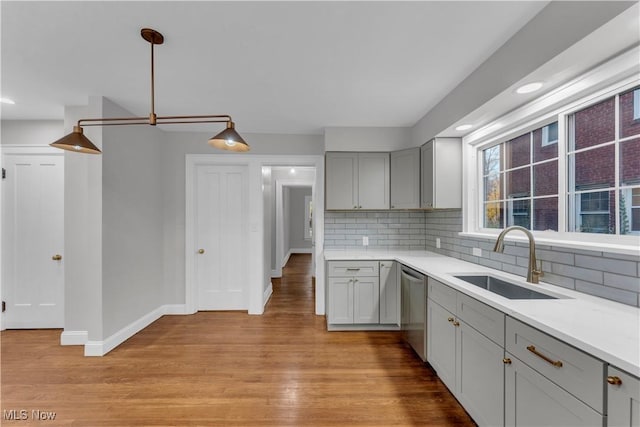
(389,293)
(363,293)
(465,358)
(340,291)
(441,343)
(623,399)
(354,300)
(550,383)
(533,400)
(480,376)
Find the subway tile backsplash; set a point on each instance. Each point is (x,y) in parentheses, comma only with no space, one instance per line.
(385,229)
(606,275)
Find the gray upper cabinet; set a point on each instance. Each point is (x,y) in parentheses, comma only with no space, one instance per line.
(357,181)
(405,179)
(441,160)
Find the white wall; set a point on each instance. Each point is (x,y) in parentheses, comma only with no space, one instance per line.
(286,218)
(556,28)
(83,229)
(366,138)
(176,146)
(268,220)
(297,218)
(132,227)
(31,132)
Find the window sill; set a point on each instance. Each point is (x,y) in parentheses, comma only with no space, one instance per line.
(625,245)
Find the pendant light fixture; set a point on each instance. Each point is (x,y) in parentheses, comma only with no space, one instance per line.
(228,139)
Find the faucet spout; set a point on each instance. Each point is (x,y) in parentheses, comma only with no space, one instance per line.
(533,273)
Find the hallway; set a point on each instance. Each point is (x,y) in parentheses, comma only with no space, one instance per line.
(230,369)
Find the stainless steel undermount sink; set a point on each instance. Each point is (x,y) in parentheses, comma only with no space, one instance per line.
(503,288)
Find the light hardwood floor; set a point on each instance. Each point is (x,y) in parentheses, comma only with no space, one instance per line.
(230,369)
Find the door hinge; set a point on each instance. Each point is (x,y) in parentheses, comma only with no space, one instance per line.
(4,173)
(4,306)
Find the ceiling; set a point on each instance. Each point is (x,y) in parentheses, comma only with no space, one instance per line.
(276,67)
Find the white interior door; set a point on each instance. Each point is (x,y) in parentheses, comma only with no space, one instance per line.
(221,237)
(33,241)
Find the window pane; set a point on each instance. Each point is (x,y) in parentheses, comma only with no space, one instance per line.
(629,123)
(630,210)
(516,151)
(518,213)
(545,179)
(542,151)
(493,187)
(545,214)
(595,212)
(594,168)
(594,125)
(491,159)
(518,183)
(630,162)
(493,215)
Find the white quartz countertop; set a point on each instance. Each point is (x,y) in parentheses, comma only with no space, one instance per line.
(605,329)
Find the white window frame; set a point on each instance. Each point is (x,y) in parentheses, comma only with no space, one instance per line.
(545,137)
(636,104)
(540,112)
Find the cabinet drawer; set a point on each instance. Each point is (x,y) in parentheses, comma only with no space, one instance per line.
(486,320)
(353,268)
(442,294)
(576,372)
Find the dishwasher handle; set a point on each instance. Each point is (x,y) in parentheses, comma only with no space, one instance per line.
(412,274)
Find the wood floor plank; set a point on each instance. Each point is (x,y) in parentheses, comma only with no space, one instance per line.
(229,369)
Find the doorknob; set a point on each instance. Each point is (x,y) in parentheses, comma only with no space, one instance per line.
(56,257)
(200,251)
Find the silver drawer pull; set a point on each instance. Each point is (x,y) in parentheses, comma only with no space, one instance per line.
(556,363)
(353,269)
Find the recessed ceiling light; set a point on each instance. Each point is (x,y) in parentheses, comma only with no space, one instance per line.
(7,101)
(464,127)
(529,87)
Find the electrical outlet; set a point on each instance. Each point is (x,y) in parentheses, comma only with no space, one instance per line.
(437,243)
(365,240)
(477,252)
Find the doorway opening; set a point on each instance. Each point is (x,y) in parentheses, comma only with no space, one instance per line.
(288,194)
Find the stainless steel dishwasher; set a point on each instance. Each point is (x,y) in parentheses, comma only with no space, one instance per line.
(414,310)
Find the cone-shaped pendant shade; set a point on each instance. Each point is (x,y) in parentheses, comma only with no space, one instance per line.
(76,141)
(229,140)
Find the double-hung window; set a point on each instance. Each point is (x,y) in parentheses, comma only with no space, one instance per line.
(578,171)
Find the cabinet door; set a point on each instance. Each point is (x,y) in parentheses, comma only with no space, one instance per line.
(441,345)
(341,172)
(373,181)
(533,400)
(340,300)
(405,179)
(623,399)
(366,300)
(389,293)
(426,155)
(479,376)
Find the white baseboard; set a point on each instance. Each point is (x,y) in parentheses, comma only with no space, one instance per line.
(301,250)
(286,258)
(171,309)
(74,337)
(100,348)
(267,294)
(275,274)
